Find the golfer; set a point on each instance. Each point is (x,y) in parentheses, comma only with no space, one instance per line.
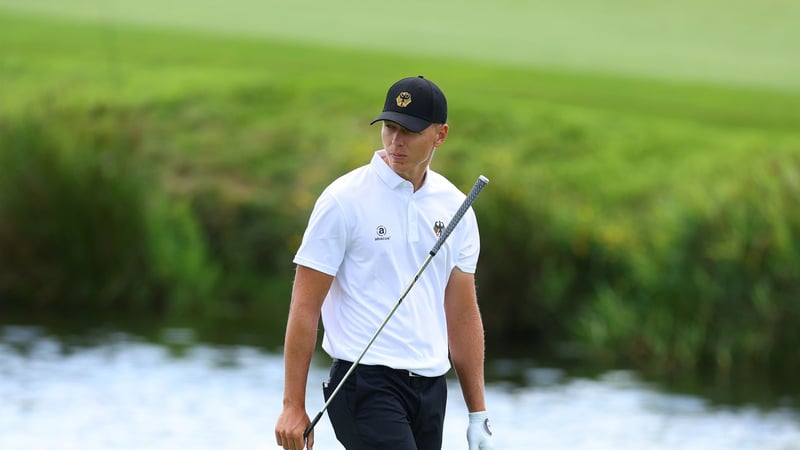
(369,232)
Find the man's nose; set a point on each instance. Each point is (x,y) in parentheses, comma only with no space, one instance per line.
(397,137)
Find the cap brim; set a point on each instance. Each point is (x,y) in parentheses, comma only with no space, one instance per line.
(412,123)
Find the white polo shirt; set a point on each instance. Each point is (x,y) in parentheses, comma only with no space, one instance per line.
(372,232)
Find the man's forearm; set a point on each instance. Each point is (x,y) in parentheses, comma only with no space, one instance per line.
(308,293)
(467,353)
(301,338)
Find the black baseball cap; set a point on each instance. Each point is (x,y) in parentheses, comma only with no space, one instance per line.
(414,103)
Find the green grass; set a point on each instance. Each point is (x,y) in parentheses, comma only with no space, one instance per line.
(613,147)
(604,173)
(709,130)
(742,42)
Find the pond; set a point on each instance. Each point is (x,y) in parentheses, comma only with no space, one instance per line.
(118,390)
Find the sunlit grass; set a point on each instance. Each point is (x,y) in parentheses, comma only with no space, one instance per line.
(739,42)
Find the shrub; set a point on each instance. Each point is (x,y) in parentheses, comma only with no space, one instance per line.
(83,225)
(716,287)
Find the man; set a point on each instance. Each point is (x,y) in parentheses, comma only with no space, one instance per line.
(368,234)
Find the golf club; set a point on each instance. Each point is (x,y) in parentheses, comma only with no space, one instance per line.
(473,193)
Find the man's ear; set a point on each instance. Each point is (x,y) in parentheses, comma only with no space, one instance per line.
(441,134)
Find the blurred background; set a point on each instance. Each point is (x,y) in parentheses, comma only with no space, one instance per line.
(640,269)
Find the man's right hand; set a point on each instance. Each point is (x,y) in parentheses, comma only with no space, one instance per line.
(292,423)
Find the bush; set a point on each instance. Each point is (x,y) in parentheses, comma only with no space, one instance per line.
(542,260)
(85,227)
(716,287)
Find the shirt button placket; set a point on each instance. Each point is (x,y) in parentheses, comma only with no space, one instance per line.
(413,228)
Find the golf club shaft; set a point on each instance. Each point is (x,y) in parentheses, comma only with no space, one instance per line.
(473,194)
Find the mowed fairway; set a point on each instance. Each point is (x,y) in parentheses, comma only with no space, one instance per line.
(742,42)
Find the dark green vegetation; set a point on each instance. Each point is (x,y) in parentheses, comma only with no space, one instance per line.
(152,172)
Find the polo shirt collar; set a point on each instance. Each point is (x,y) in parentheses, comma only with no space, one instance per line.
(385,173)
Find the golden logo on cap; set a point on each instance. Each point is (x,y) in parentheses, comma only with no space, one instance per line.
(403,99)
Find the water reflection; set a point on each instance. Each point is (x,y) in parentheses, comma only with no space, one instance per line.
(115,390)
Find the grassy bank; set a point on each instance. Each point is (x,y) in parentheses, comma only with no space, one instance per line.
(648,221)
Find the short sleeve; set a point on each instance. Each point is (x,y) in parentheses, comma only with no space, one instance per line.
(325,239)
(470,244)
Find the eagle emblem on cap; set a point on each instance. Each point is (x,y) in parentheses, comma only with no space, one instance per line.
(403,99)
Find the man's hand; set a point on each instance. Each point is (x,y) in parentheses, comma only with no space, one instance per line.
(479,433)
(292,423)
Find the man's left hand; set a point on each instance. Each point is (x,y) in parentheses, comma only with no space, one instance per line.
(479,432)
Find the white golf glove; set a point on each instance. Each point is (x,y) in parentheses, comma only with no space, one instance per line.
(479,432)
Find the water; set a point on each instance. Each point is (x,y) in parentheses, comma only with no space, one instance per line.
(120,391)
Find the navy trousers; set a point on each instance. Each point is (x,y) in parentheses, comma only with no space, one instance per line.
(380,408)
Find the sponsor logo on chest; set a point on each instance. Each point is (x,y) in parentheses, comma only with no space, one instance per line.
(382,233)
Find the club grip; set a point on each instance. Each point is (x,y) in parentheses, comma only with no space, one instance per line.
(312,424)
(480,183)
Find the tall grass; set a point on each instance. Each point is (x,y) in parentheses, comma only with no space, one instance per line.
(84,226)
(714,286)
